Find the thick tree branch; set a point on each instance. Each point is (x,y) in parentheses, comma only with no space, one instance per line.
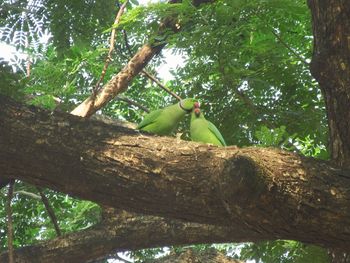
(121,233)
(262,193)
(190,255)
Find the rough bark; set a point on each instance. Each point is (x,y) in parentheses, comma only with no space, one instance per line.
(118,83)
(192,256)
(119,233)
(331,68)
(262,193)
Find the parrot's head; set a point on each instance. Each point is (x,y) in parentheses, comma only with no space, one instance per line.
(188,104)
(197,112)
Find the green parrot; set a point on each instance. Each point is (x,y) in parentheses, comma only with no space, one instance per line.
(204,131)
(164,121)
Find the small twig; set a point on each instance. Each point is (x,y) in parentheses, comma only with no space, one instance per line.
(29,63)
(28,68)
(122,259)
(131,102)
(29,194)
(9,223)
(154,79)
(126,41)
(289,48)
(111,47)
(50,212)
(243,97)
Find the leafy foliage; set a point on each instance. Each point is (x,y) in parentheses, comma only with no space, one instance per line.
(31,221)
(284,251)
(11,84)
(24,22)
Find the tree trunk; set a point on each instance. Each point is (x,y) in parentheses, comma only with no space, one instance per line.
(265,194)
(331,68)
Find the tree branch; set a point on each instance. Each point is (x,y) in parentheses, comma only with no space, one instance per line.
(29,194)
(50,212)
(10,256)
(131,102)
(118,83)
(147,74)
(118,233)
(191,255)
(262,193)
(289,48)
(111,46)
(155,80)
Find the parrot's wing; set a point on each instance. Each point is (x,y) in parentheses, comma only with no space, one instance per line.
(149,118)
(216,132)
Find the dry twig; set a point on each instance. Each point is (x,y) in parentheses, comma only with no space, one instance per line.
(111,47)
(9,222)
(50,212)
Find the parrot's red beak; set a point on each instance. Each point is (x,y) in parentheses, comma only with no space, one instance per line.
(197,111)
(196,105)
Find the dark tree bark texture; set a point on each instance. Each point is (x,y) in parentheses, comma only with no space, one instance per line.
(122,232)
(331,68)
(264,194)
(192,256)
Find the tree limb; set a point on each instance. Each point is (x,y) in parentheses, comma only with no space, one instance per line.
(147,74)
(29,194)
(298,56)
(122,232)
(262,193)
(155,80)
(191,255)
(50,211)
(10,256)
(131,102)
(118,83)
(111,46)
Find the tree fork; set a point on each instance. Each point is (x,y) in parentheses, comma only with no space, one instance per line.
(263,193)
